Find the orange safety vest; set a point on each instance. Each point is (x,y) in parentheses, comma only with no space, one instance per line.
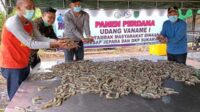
(14,54)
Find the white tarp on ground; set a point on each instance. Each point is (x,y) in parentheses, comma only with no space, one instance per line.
(112,28)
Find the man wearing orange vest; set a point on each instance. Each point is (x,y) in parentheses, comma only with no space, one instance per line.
(19,36)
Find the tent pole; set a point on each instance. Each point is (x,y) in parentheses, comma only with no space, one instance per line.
(128,4)
(97,4)
(64,4)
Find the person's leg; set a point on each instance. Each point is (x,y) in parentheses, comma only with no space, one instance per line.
(25,72)
(4,75)
(79,53)
(59,25)
(69,55)
(34,60)
(181,58)
(14,79)
(170,57)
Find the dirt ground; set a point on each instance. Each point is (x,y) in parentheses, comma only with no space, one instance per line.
(89,54)
(3,94)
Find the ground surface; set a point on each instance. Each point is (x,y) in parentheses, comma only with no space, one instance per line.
(193,59)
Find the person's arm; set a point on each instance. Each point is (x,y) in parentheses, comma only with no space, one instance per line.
(16,28)
(180,33)
(87,25)
(163,31)
(38,36)
(69,24)
(162,37)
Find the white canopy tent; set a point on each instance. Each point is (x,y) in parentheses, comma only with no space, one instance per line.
(106,4)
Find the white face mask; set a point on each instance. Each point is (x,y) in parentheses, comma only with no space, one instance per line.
(29,14)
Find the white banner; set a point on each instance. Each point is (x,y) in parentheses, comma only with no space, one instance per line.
(112,28)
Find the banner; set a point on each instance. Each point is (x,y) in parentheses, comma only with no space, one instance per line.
(112,28)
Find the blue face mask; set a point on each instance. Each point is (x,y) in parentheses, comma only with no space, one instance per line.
(77,9)
(173,18)
(29,14)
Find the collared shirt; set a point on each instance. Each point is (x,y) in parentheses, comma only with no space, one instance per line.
(74,26)
(176,33)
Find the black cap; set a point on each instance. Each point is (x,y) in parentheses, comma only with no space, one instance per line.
(49,9)
(73,1)
(171,9)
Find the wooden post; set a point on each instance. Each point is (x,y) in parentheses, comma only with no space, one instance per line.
(194,19)
(97,4)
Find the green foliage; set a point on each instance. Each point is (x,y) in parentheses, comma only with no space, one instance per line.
(38,13)
(14,11)
(2,20)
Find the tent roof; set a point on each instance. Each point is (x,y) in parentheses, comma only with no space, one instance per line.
(120,4)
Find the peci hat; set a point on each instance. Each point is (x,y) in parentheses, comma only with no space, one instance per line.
(49,9)
(73,1)
(171,9)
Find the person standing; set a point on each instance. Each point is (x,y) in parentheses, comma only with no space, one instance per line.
(174,33)
(19,36)
(60,22)
(76,22)
(44,25)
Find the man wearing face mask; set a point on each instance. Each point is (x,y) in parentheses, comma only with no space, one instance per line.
(44,25)
(19,36)
(174,34)
(76,21)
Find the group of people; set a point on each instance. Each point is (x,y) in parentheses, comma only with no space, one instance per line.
(21,39)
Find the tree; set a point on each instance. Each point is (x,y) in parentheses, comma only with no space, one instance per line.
(2,20)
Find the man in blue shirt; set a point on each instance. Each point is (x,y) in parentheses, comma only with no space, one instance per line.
(174,34)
